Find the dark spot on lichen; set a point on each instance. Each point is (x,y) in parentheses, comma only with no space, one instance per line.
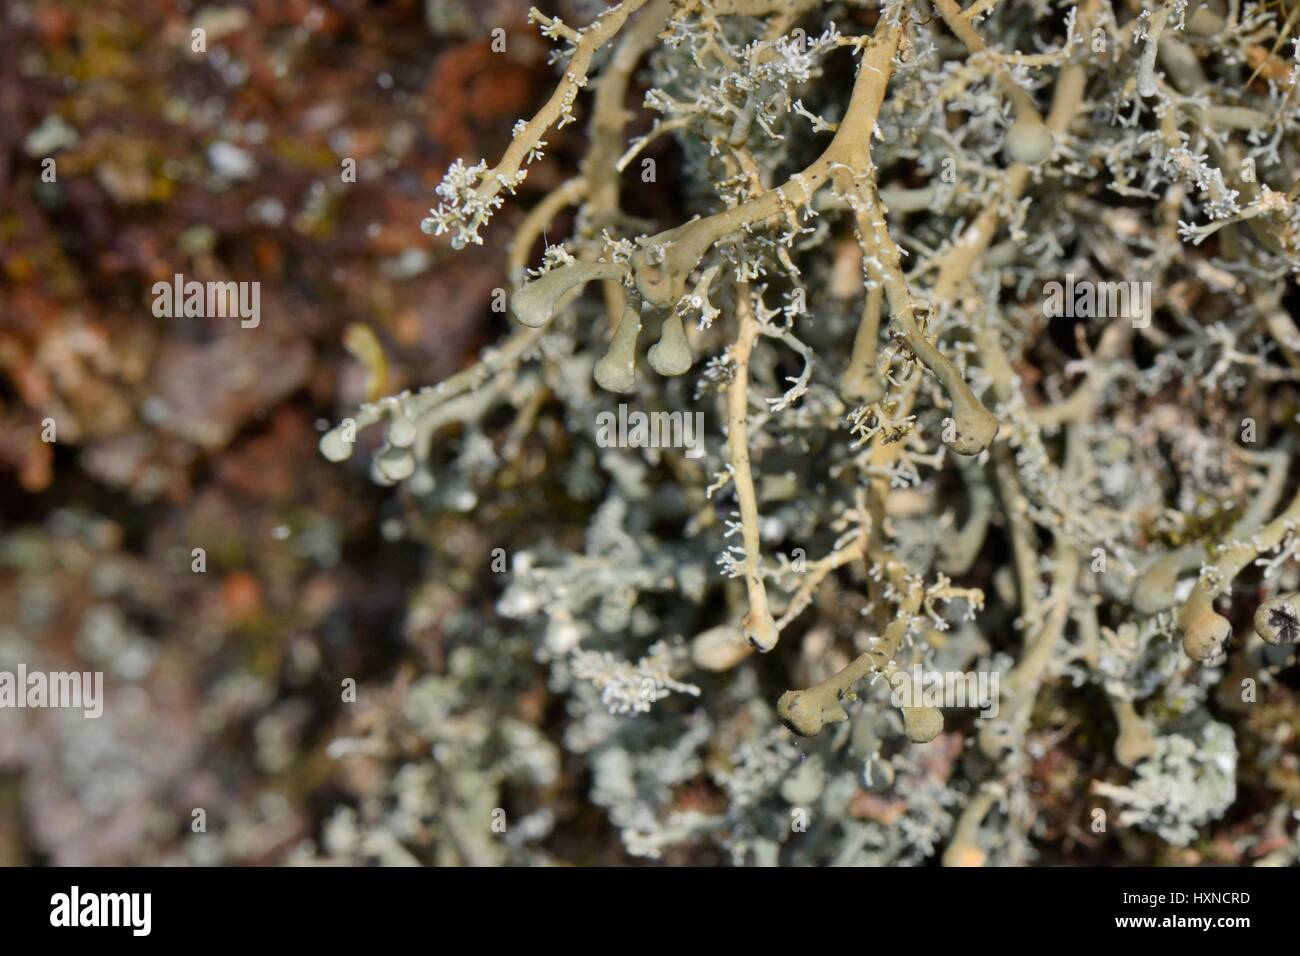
(1286,625)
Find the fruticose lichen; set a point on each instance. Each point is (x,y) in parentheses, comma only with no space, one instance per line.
(976,305)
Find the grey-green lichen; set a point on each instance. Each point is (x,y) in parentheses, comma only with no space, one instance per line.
(911,459)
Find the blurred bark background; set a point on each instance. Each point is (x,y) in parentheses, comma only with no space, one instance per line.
(229,163)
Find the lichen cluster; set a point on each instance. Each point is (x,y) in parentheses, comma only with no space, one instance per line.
(910,458)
